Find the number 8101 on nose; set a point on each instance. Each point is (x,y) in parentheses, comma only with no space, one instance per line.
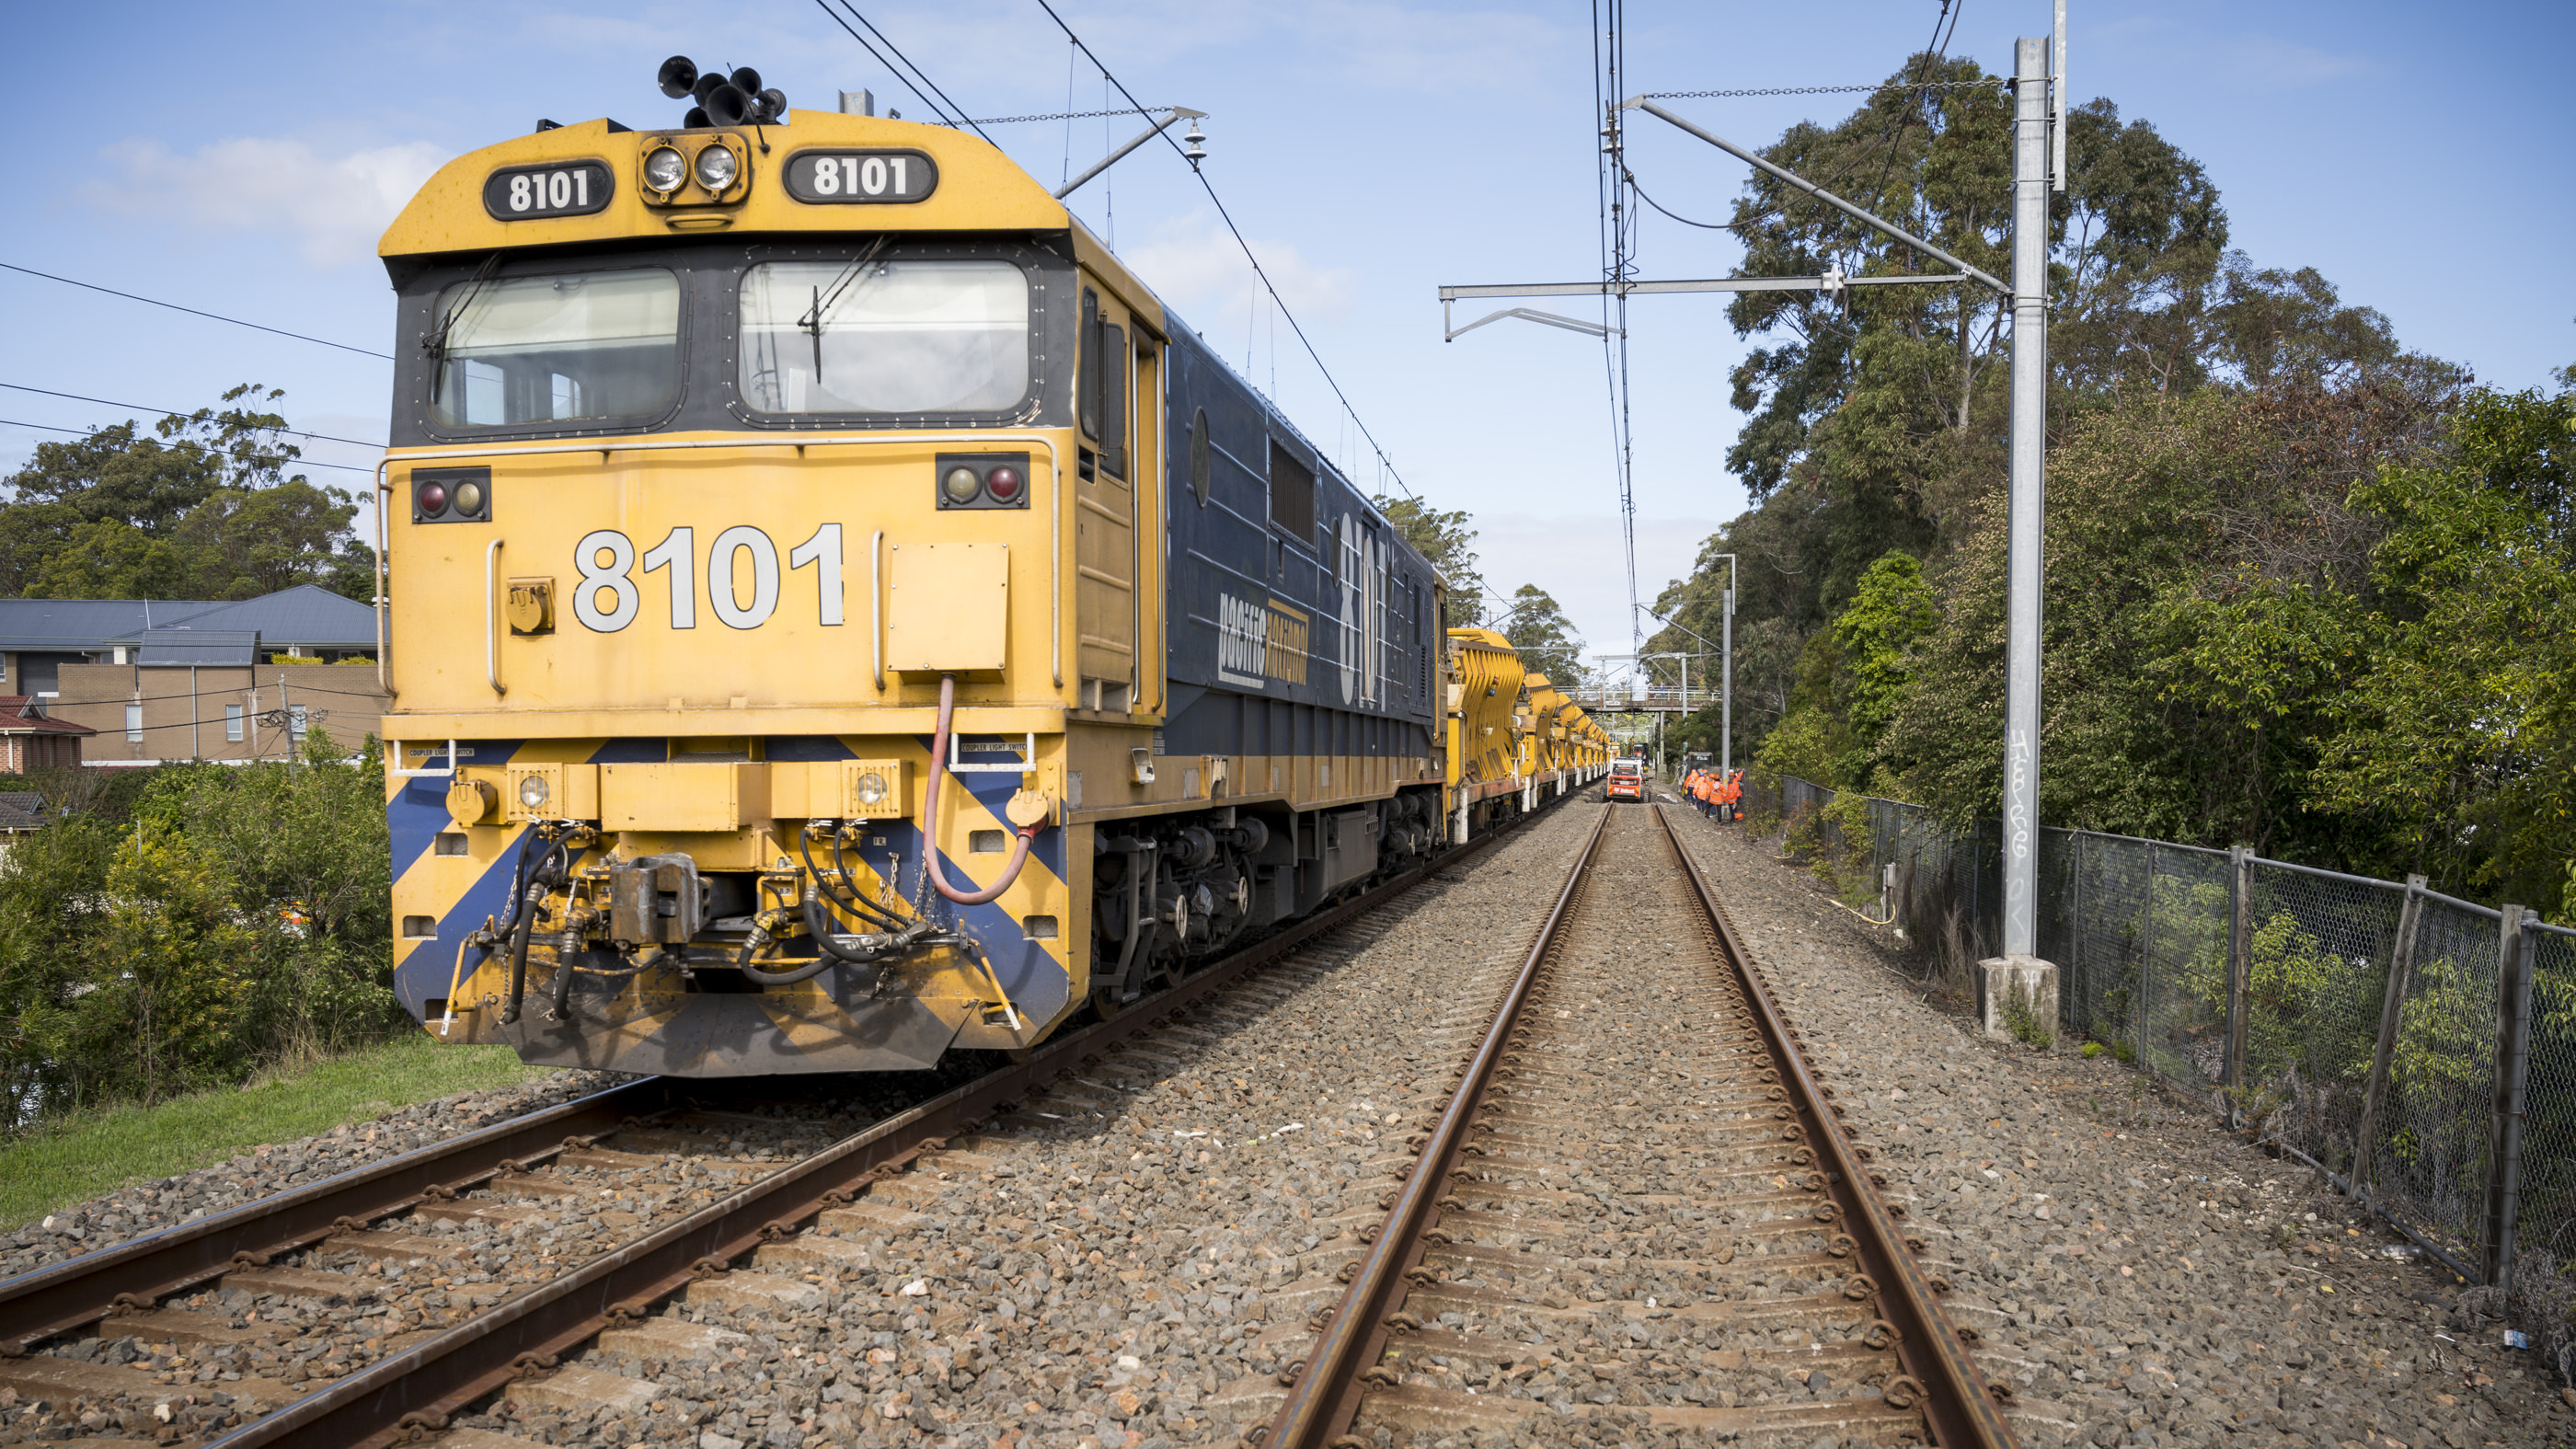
(743,561)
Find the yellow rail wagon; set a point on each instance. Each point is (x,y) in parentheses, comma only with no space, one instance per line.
(837,615)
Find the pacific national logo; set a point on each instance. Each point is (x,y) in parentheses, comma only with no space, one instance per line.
(1259,642)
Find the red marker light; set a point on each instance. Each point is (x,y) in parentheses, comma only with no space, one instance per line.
(1003,484)
(433,498)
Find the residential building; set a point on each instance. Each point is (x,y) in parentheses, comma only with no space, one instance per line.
(162,680)
(31,739)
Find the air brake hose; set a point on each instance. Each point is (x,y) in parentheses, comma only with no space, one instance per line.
(530,894)
(762,928)
(849,893)
(930,814)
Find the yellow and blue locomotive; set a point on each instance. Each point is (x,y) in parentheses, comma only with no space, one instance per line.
(837,615)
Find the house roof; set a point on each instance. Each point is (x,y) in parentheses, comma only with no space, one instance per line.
(210,647)
(21,810)
(25,715)
(306,616)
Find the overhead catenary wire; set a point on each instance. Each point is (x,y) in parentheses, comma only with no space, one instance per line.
(948,110)
(1258,271)
(194,312)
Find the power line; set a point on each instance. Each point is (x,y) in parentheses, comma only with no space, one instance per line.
(86,432)
(947,110)
(177,413)
(1989,82)
(1228,218)
(193,312)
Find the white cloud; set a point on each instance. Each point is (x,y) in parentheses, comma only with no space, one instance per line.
(335,207)
(1194,264)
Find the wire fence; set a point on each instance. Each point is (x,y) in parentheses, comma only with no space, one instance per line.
(2418,1048)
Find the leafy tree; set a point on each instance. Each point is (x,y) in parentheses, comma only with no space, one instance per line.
(1545,638)
(1890,610)
(2436,692)
(201,506)
(1446,539)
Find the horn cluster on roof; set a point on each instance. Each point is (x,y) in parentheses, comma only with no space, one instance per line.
(722,100)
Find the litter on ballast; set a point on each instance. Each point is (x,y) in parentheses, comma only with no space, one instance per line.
(2516,1338)
(2402,1252)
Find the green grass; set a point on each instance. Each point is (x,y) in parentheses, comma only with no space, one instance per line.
(91,1153)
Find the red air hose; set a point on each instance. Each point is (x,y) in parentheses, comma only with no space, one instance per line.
(930,814)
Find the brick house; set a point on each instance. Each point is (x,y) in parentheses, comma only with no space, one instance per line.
(31,739)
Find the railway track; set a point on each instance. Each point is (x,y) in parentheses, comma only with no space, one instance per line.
(397,1295)
(1639,1204)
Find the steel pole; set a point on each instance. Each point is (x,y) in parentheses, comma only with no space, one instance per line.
(1726,694)
(2029,461)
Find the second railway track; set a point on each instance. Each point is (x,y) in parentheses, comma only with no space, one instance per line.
(1639,1205)
(395,1297)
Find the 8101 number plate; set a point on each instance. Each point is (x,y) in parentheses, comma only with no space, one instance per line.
(826,177)
(529,193)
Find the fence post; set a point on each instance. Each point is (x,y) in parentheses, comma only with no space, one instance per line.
(2392,1011)
(2513,1044)
(2147,957)
(2072,971)
(2240,954)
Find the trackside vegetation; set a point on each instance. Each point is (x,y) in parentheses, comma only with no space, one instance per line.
(184,928)
(75,1156)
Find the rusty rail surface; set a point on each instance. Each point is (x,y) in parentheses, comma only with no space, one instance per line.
(64,1296)
(1328,1390)
(413,1393)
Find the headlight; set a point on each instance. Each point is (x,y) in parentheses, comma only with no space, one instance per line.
(716,168)
(533,792)
(961,485)
(664,170)
(871,789)
(469,499)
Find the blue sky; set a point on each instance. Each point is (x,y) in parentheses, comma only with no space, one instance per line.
(243,159)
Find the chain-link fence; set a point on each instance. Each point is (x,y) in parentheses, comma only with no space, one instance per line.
(2420,1048)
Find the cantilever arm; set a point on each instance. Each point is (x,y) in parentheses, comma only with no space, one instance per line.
(1114,157)
(1640,103)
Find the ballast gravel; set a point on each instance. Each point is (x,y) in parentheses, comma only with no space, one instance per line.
(2137,1275)
(1127,1261)
(264,1171)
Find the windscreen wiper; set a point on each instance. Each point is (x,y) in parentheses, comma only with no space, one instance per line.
(825,299)
(434,342)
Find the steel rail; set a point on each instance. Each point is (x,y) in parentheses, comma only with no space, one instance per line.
(1326,1395)
(61,1297)
(1958,1406)
(1327,1392)
(417,1390)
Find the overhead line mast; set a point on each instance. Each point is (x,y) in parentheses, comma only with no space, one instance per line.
(2039,165)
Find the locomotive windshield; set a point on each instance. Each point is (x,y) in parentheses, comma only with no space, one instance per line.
(520,350)
(884,336)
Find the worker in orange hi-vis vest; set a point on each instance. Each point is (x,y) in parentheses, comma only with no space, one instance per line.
(1690,785)
(1731,796)
(1708,795)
